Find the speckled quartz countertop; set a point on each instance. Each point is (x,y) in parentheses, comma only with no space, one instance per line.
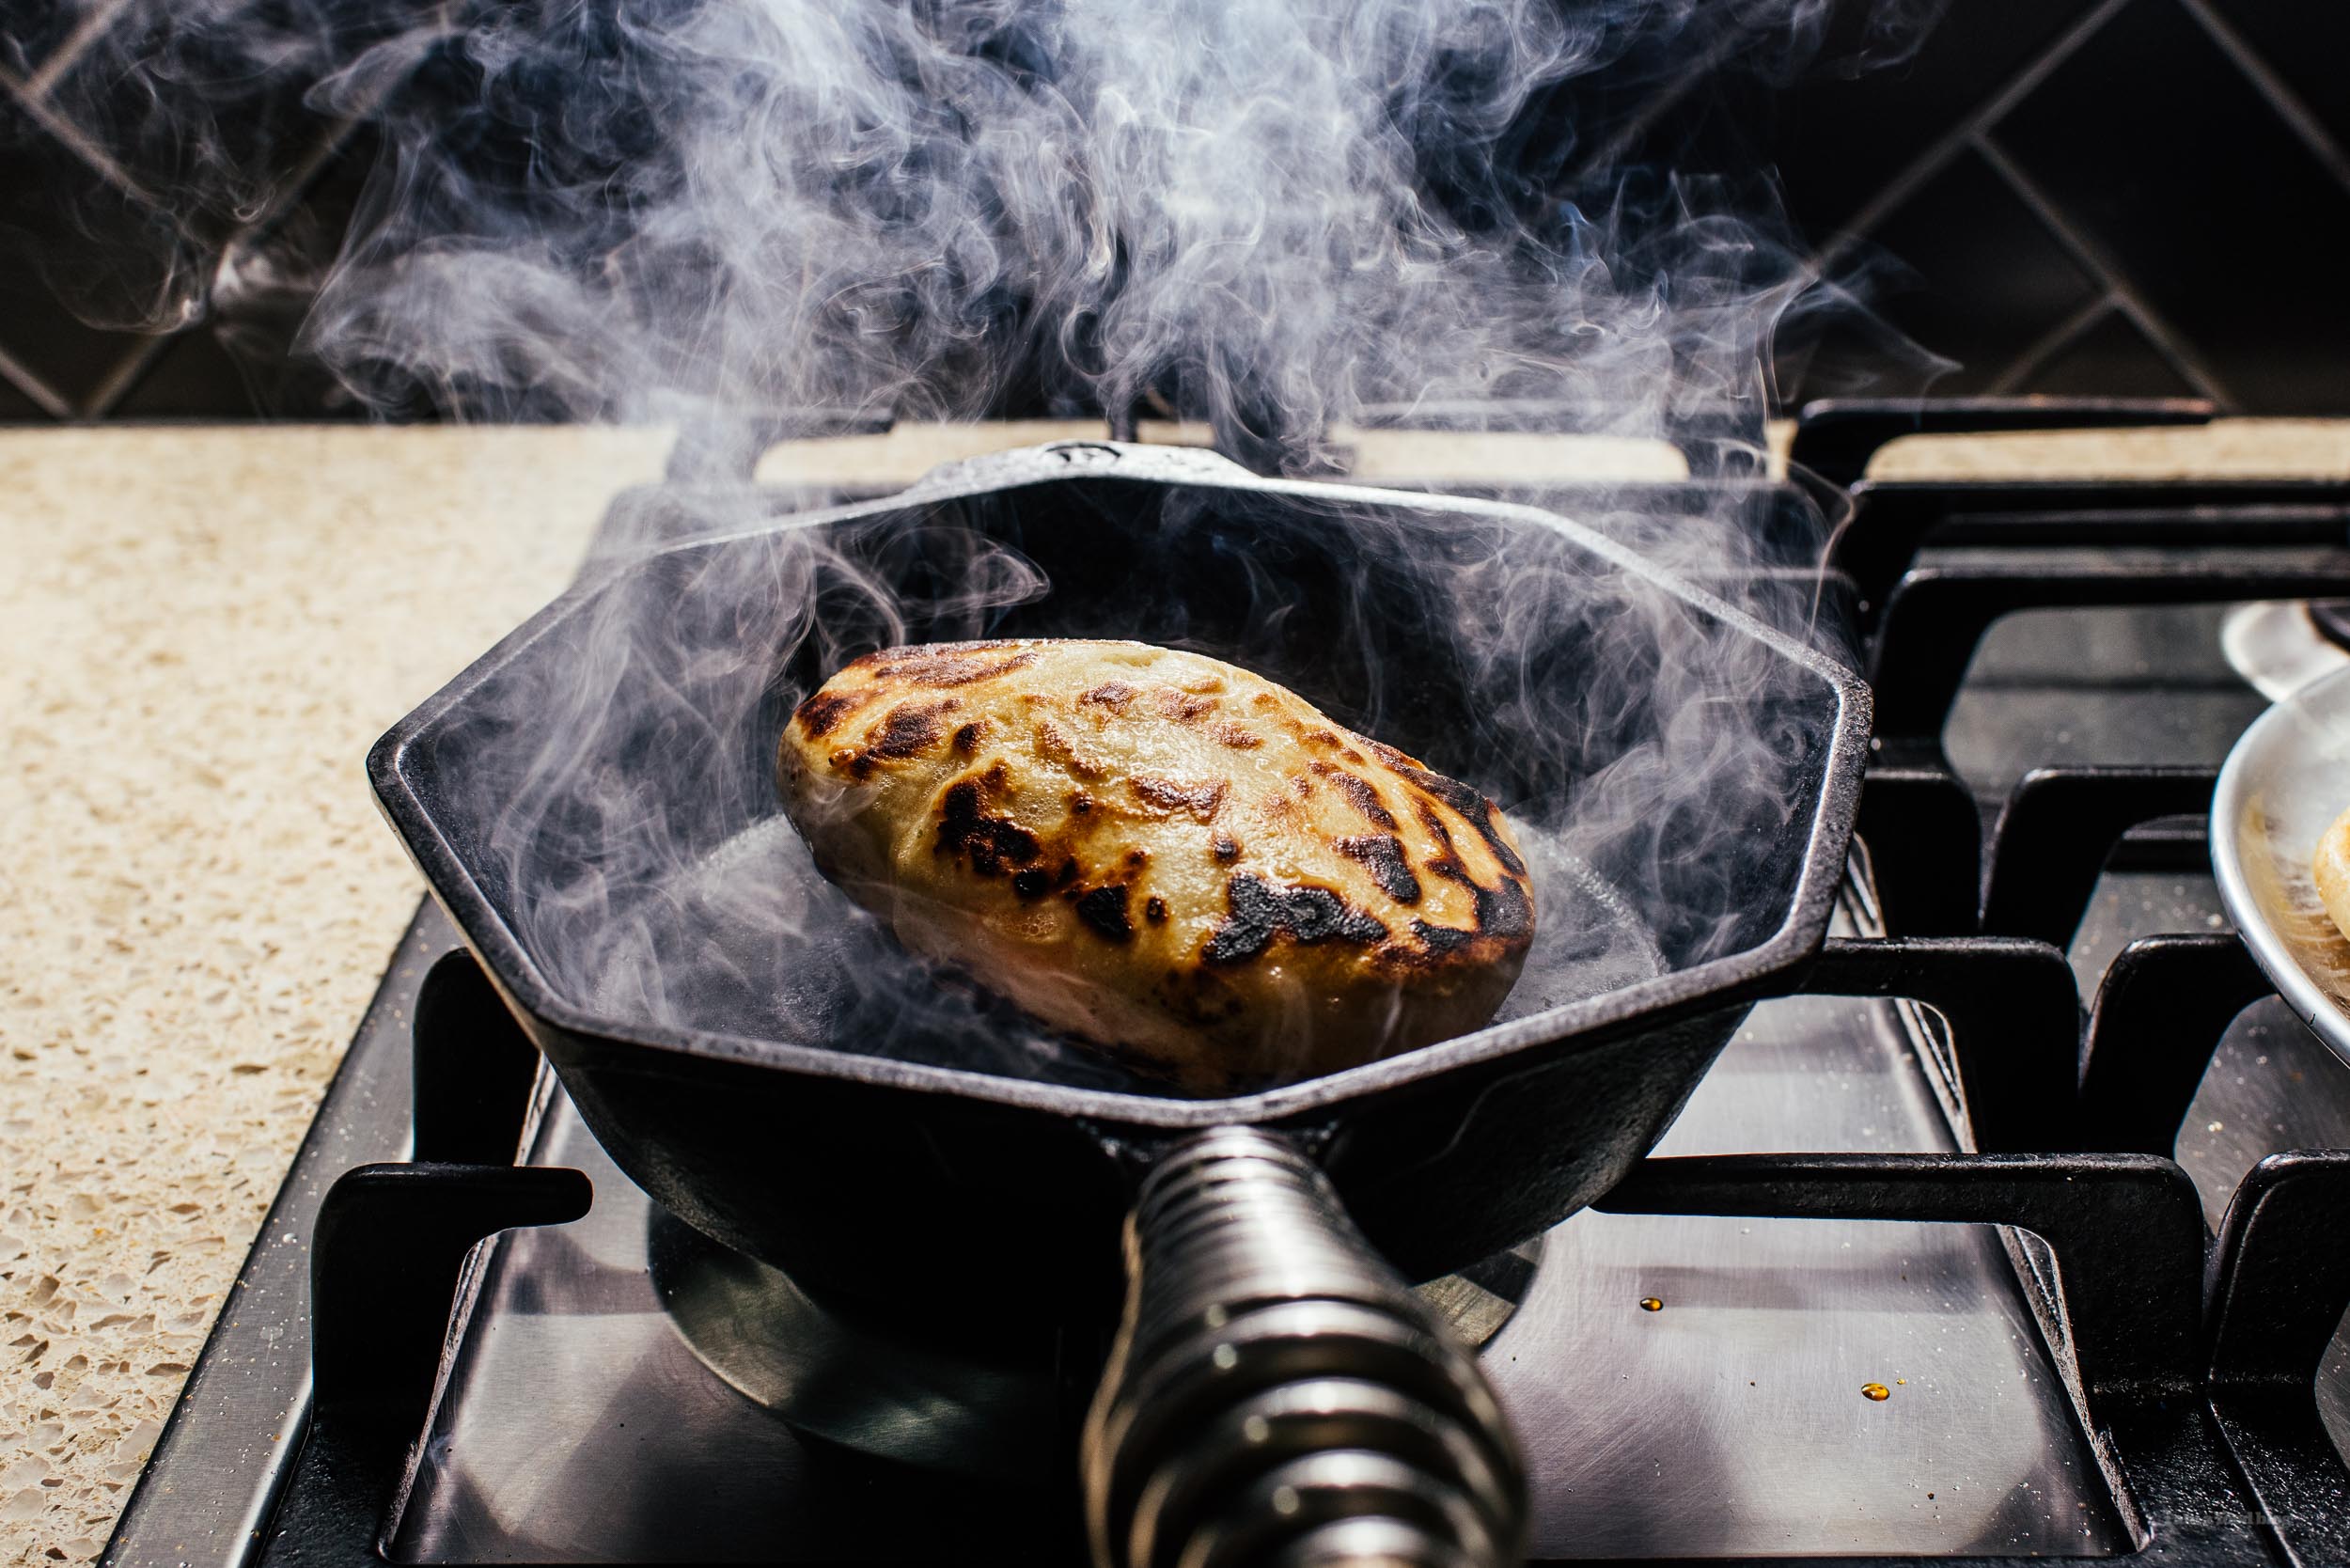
(201,631)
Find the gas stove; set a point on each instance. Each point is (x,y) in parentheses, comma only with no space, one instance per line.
(2017,1234)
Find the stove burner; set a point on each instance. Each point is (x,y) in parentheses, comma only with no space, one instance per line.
(867,1386)
(1480,1299)
(884,1390)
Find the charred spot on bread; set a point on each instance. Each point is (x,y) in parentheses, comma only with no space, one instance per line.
(911,729)
(947,663)
(1053,741)
(1382,855)
(821,712)
(1258,912)
(1504,917)
(1181,706)
(1472,806)
(1450,867)
(967,738)
(1113,695)
(1505,912)
(1154,910)
(1104,910)
(1202,800)
(1225,848)
(1236,737)
(1359,793)
(992,842)
(1468,801)
(1442,940)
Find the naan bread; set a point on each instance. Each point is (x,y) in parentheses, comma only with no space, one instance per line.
(1161,853)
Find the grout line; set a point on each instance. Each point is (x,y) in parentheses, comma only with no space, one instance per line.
(337,137)
(1969,131)
(125,377)
(2124,295)
(2280,95)
(73,46)
(129,371)
(2051,343)
(1609,153)
(298,179)
(323,152)
(82,146)
(21,376)
(286,195)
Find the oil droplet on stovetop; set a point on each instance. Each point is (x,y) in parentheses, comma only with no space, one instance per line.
(1651,1304)
(1876,1391)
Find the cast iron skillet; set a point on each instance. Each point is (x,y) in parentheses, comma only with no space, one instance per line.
(594,804)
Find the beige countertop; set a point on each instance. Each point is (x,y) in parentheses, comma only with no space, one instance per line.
(201,631)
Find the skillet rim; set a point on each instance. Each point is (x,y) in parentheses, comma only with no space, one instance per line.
(1729,980)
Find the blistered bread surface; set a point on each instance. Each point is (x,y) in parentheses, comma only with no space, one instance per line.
(1160,852)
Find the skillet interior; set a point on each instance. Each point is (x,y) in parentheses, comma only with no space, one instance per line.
(610,786)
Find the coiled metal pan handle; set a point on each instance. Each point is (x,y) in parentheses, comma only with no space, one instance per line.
(1277,1395)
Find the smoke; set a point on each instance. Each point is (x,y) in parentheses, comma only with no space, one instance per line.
(1272,216)
(1280,218)
(1267,215)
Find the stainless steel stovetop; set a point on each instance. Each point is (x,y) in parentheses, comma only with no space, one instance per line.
(1730,1422)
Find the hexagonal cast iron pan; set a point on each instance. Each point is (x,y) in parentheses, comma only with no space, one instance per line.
(594,803)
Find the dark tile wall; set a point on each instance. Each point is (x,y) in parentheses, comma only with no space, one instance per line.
(2232,243)
(2147,198)
(115,301)
(1987,275)
(1850,137)
(2135,196)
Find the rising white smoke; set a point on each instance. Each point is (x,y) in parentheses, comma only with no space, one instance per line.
(1273,215)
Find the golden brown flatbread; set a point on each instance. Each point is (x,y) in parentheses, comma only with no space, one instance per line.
(1160,852)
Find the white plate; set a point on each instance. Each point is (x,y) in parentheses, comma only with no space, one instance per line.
(2283,785)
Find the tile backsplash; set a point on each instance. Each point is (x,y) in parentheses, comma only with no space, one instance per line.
(2125,197)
